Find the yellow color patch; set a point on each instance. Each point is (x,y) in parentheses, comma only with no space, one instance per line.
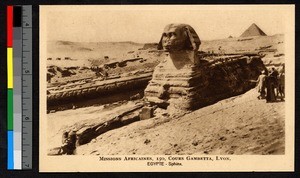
(10,74)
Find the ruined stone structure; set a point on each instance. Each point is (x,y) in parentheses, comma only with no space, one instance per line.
(186,80)
(107,90)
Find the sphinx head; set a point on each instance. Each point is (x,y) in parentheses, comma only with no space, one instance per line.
(177,37)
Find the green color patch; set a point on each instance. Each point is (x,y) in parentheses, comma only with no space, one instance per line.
(10,110)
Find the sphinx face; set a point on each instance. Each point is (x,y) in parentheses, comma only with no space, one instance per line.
(174,38)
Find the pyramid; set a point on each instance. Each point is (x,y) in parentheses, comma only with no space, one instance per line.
(253,30)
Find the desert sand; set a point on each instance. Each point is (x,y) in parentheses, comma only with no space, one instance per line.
(237,125)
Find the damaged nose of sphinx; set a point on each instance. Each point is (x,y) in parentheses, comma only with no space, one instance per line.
(178,37)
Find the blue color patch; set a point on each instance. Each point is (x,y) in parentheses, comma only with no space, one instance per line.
(10,150)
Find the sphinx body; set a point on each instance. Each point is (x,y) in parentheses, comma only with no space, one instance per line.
(185,81)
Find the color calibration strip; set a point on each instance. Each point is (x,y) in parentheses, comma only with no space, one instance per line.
(19,83)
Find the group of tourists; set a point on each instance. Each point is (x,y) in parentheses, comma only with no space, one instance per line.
(270,85)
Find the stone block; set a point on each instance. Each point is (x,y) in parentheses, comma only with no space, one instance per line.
(146,113)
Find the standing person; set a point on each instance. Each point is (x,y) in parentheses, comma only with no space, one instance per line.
(270,84)
(281,83)
(261,85)
(274,73)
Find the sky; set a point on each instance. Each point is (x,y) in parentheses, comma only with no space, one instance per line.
(145,24)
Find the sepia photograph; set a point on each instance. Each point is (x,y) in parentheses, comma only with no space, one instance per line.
(167,88)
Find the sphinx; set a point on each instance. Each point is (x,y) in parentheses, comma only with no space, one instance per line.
(186,80)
